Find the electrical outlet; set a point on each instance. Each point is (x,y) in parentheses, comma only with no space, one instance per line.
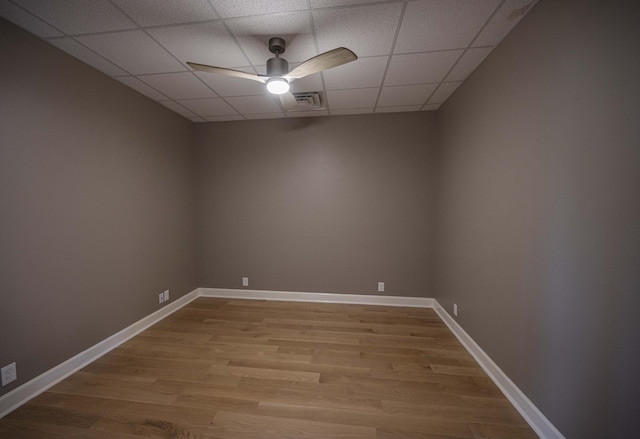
(380,287)
(9,374)
(245,281)
(166,295)
(160,297)
(455,309)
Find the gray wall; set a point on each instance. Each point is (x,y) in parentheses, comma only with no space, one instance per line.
(538,210)
(324,204)
(97,205)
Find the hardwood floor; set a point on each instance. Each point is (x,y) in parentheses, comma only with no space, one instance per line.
(240,369)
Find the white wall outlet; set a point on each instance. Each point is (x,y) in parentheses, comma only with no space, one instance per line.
(160,297)
(166,295)
(455,309)
(245,281)
(9,374)
(380,287)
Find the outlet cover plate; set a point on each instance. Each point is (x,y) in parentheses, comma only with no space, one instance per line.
(245,281)
(380,287)
(9,374)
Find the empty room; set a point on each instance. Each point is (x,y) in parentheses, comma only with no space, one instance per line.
(362,219)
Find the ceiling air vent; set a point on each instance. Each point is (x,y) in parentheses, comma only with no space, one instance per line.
(308,101)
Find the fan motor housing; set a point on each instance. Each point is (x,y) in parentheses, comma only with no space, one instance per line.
(277,45)
(277,67)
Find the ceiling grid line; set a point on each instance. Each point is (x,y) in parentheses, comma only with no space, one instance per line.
(393,46)
(315,43)
(36,17)
(237,43)
(466,49)
(191,73)
(175,101)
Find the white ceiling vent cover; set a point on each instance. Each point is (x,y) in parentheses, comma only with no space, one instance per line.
(308,101)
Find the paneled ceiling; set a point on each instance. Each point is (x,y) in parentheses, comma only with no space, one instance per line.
(412,54)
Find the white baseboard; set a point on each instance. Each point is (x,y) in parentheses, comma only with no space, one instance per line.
(420,302)
(41,383)
(534,417)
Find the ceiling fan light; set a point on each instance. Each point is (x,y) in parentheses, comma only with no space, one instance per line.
(277,86)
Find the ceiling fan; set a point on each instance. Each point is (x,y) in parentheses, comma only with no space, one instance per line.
(278,76)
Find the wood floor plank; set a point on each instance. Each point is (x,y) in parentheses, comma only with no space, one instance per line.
(271,427)
(501,431)
(241,369)
(451,427)
(308,366)
(34,429)
(91,406)
(273,374)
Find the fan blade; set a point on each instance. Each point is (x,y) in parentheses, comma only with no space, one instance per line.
(288,101)
(227,72)
(324,61)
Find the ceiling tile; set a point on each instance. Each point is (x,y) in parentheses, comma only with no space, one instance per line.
(230,86)
(223,118)
(420,67)
(79,16)
(253,35)
(178,85)
(133,51)
(352,111)
(178,108)
(405,95)
(141,87)
(241,8)
(366,30)
(209,107)
(205,43)
(356,98)
(310,113)
(331,3)
(255,104)
(26,20)
(443,92)
(399,109)
(364,72)
(158,12)
(430,25)
(87,56)
(469,61)
(503,21)
(266,115)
